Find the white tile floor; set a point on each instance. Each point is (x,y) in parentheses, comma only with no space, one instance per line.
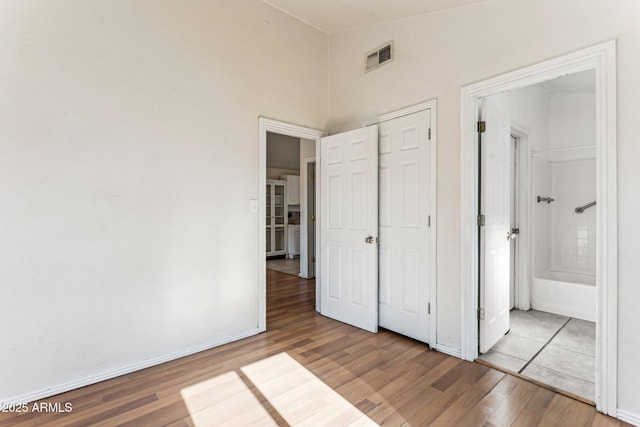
(556,350)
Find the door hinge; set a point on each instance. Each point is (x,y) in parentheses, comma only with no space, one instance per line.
(429,134)
(428,308)
(482,126)
(480,313)
(429,221)
(480,220)
(313,175)
(313,217)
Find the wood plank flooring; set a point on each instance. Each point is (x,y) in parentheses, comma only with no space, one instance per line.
(310,370)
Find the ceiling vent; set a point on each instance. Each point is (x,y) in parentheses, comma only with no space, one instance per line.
(380,56)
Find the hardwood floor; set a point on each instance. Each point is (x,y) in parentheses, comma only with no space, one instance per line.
(310,370)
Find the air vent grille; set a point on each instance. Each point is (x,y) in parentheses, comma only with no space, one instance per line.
(384,54)
(379,56)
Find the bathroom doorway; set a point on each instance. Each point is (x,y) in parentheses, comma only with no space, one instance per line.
(601,59)
(545,332)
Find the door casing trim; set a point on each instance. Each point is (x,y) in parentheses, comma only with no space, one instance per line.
(283,128)
(602,59)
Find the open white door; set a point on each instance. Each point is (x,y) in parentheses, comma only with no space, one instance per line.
(349,227)
(495,205)
(405,234)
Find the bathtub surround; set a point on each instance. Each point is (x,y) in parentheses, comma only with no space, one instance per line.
(553,349)
(561,140)
(569,294)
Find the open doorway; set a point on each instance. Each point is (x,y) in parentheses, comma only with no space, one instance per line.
(283,195)
(549,334)
(274,201)
(552,277)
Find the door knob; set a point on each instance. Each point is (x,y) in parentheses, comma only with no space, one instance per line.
(369,239)
(513,234)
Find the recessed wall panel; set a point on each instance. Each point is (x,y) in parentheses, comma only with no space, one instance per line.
(409,138)
(358,277)
(384,143)
(334,155)
(384,277)
(410,195)
(358,201)
(358,150)
(384,189)
(334,272)
(334,201)
(409,277)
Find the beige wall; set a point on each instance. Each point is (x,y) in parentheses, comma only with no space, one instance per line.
(128,158)
(437,54)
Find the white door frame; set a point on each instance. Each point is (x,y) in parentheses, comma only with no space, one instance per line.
(524,211)
(268,125)
(602,59)
(304,219)
(433,106)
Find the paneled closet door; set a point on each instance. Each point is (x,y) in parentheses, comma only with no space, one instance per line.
(404,217)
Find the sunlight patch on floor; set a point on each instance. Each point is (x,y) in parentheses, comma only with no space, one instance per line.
(300,397)
(274,391)
(224,400)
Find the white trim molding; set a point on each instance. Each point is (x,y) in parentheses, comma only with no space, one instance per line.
(304,218)
(123,370)
(629,417)
(602,59)
(448,350)
(274,126)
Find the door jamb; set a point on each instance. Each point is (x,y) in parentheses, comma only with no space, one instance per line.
(602,59)
(525,239)
(304,221)
(269,125)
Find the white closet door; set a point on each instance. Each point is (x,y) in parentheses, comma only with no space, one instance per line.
(405,235)
(349,227)
(495,205)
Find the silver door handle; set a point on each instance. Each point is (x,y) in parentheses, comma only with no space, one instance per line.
(369,239)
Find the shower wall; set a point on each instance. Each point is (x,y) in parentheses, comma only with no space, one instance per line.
(560,128)
(573,182)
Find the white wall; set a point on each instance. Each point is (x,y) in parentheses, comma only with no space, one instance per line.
(572,118)
(128,157)
(436,54)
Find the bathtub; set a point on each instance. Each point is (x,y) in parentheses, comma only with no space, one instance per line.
(568,294)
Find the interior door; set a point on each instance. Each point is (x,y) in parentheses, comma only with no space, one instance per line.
(405,235)
(495,205)
(349,227)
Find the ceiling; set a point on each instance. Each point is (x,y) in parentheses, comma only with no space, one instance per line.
(333,16)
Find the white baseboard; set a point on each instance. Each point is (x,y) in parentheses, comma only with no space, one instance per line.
(455,352)
(81,382)
(628,417)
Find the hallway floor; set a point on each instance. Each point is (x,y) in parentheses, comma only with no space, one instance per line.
(284,265)
(555,350)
